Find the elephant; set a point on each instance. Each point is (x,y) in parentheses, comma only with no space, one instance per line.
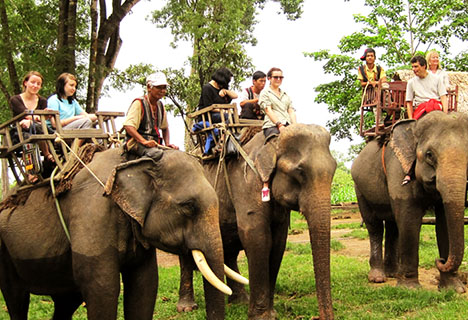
(300,169)
(113,230)
(436,148)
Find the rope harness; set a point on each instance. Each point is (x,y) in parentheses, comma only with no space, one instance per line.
(52,185)
(383,159)
(228,136)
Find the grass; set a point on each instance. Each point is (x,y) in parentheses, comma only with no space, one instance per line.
(353,296)
(342,186)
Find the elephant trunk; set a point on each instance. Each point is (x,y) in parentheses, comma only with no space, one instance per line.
(314,203)
(210,244)
(452,187)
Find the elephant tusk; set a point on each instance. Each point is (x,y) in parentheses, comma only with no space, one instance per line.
(209,275)
(235,276)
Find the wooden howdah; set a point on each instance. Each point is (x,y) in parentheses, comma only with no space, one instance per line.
(387,105)
(230,121)
(105,134)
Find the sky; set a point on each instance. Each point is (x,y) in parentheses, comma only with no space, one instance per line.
(281,43)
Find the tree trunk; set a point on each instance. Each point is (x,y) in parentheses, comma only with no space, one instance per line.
(66,37)
(5,30)
(107,44)
(92,54)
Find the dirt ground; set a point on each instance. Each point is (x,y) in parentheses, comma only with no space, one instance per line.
(353,247)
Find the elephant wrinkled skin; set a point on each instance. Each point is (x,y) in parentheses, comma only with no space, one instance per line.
(301,170)
(438,144)
(148,205)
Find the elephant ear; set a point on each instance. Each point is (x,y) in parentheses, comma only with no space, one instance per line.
(265,160)
(130,187)
(403,143)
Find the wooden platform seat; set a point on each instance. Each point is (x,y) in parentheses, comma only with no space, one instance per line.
(207,131)
(387,104)
(13,139)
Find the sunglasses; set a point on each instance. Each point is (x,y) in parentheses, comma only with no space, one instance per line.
(277,77)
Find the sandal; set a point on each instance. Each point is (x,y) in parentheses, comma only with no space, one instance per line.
(406,180)
(33,179)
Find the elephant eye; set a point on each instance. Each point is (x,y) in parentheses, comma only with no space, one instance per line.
(430,159)
(188,207)
(299,174)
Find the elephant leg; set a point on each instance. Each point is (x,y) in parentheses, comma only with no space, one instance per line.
(186,301)
(239,295)
(255,235)
(409,217)
(448,280)
(141,287)
(15,294)
(99,281)
(375,229)
(391,249)
(65,305)
(279,238)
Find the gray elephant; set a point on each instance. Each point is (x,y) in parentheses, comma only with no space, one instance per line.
(435,148)
(300,168)
(147,205)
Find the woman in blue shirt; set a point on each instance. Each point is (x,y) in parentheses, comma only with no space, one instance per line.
(72,116)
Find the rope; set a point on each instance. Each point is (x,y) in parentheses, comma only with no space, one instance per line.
(383,159)
(60,139)
(57,204)
(243,153)
(113,140)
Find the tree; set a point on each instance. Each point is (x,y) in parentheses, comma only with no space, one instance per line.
(105,45)
(218,30)
(398,30)
(59,36)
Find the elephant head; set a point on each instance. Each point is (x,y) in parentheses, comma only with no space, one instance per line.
(173,207)
(300,167)
(438,144)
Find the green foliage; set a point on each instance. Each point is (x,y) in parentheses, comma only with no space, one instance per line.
(397,30)
(219,31)
(342,189)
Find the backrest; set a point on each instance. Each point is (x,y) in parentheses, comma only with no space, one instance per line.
(452,99)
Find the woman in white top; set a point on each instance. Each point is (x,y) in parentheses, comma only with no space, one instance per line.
(433,64)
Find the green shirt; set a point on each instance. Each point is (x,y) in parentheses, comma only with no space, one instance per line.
(279,106)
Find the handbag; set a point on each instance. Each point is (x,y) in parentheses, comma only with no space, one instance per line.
(231,149)
(31,154)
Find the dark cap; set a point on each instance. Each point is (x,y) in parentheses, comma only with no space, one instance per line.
(363,58)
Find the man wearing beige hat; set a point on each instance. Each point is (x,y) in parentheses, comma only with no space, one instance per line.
(147,119)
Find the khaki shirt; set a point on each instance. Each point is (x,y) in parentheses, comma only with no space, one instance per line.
(134,116)
(371,74)
(279,106)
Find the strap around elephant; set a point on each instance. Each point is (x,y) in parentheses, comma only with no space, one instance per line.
(383,159)
(57,204)
(243,153)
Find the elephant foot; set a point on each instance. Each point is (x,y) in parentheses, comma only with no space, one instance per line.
(267,315)
(451,281)
(376,276)
(391,271)
(186,305)
(239,298)
(410,283)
